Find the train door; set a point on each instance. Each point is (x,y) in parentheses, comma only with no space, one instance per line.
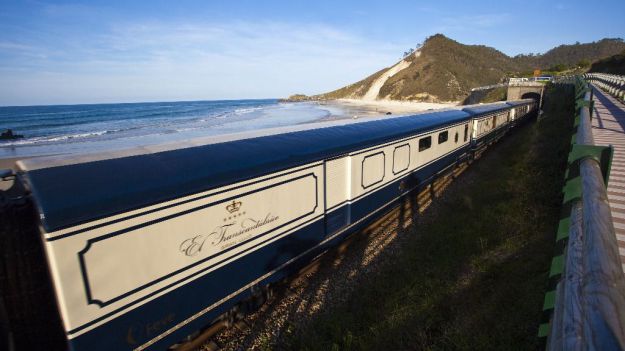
(338,184)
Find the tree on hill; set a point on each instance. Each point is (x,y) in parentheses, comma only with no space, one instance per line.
(583,63)
(613,64)
(559,67)
(571,55)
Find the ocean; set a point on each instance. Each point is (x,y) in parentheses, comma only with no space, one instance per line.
(68,129)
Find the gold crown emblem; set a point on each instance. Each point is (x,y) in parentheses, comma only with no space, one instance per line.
(234,206)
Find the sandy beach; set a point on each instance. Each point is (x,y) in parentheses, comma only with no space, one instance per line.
(361,108)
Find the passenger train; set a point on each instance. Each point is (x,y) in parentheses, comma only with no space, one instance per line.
(146,246)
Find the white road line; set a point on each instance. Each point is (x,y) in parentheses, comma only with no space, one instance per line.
(615,205)
(618,214)
(619,191)
(619,225)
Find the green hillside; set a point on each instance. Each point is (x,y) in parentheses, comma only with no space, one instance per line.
(613,64)
(578,54)
(446,70)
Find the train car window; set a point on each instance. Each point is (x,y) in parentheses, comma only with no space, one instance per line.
(466,131)
(456,138)
(442,137)
(425,143)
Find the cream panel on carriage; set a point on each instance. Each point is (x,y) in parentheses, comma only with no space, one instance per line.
(161,247)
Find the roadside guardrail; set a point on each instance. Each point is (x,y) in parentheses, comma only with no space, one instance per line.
(611,83)
(587,305)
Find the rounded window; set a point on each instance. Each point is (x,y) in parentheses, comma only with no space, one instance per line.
(456,137)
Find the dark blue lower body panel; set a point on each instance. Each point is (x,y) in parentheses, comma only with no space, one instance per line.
(484,140)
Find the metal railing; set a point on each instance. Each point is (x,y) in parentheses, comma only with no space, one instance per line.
(611,83)
(589,299)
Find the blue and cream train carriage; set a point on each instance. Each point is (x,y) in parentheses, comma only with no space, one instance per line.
(146,246)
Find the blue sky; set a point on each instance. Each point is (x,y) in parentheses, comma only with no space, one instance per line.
(65,52)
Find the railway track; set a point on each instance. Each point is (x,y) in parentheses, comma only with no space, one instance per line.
(299,297)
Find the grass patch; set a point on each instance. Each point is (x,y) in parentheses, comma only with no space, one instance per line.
(486,96)
(497,94)
(474,276)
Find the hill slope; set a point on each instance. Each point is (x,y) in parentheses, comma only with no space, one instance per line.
(441,70)
(613,64)
(571,55)
(445,70)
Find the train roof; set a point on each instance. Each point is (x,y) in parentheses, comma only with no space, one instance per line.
(486,108)
(96,187)
(519,102)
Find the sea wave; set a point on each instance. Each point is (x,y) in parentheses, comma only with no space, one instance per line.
(216,115)
(116,125)
(241,111)
(55,138)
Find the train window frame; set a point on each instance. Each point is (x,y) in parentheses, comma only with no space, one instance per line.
(443,137)
(425,143)
(394,159)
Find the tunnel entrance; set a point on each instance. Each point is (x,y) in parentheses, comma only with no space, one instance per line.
(531,95)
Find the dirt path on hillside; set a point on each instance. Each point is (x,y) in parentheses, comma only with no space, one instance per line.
(374,90)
